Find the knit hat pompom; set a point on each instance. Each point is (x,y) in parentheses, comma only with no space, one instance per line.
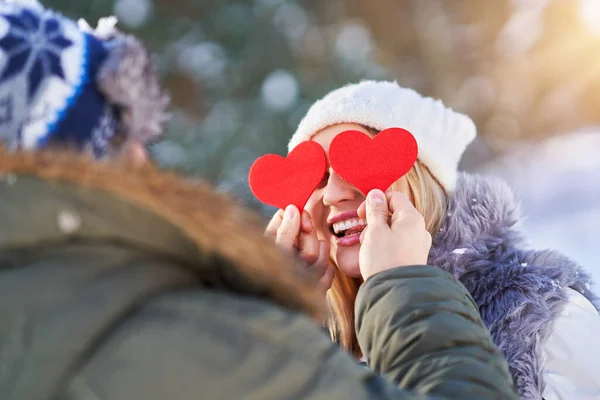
(441,133)
(61,83)
(129,80)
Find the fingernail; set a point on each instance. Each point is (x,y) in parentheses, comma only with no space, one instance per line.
(376,196)
(290,212)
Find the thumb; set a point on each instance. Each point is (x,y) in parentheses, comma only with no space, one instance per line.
(377,208)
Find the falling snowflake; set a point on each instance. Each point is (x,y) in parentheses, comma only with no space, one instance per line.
(68,221)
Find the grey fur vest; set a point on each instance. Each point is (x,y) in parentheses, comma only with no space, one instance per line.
(519,291)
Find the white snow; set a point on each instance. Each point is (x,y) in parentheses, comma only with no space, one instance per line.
(557,182)
(68,221)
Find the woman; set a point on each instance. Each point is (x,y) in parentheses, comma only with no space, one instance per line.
(536,304)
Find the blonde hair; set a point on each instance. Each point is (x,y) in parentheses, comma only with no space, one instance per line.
(429,198)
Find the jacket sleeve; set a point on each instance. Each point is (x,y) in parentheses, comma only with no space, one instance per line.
(572,351)
(420,327)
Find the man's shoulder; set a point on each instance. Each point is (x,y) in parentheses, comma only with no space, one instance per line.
(220,345)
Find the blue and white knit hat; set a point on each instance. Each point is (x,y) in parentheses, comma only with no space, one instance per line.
(62,84)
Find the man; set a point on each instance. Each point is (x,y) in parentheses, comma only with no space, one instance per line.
(121,282)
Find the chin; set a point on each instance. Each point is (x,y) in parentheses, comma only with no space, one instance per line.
(347,261)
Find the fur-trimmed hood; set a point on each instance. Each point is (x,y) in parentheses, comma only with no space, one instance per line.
(519,291)
(213,224)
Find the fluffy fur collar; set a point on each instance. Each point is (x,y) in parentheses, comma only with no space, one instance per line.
(221,229)
(519,291)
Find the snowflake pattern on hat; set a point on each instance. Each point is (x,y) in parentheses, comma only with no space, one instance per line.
(48,92)
(102,134)
(24,46)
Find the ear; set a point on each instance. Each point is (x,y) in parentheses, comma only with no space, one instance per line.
(136,152)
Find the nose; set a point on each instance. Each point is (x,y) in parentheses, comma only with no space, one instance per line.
(337,190)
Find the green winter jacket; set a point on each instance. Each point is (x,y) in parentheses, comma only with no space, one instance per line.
(103,299)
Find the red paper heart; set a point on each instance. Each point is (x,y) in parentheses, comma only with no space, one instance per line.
(373,163)
(279,181)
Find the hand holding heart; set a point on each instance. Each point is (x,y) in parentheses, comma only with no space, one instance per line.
(295,233)
(367,163)
(395,236)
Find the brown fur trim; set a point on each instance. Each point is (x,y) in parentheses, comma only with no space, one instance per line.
(215,223)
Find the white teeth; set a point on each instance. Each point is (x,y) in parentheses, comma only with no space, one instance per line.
(344,225)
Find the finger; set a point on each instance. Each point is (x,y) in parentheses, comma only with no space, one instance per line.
(321,264)
(377,212)
(397,201)
(287,232)
(308,246)
(408,218)
(274,224)
(307,225)
(403,210)
(327,277)
(362,210)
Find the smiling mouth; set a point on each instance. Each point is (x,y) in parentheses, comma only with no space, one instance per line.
(349,227)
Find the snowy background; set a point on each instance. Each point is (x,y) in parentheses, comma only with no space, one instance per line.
(243,72)
(558,183)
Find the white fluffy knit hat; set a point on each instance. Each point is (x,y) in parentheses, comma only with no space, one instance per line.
(441,133)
